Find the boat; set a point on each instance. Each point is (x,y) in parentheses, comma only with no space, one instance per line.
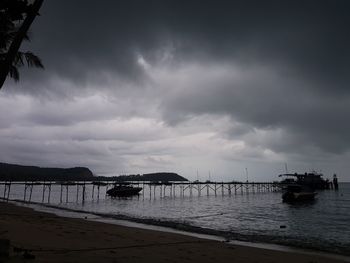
(312,180)
(122,190)
(298,193)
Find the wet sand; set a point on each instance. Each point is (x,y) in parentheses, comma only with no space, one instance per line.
(50,238)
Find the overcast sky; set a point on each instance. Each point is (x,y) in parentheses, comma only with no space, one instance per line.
(184,86)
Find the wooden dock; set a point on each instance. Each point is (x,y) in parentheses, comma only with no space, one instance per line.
(83,191)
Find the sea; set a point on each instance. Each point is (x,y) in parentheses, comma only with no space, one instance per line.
(259,218)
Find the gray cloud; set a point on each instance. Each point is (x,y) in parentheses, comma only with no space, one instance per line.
(309,40)
(269,79)
(264,100)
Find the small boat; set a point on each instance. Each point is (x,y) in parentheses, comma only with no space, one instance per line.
(298,193)
(123,190)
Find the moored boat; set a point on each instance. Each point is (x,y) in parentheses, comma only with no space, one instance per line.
(123,190)
(298,193)
(313,180)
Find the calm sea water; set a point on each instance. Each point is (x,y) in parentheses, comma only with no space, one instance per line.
(261,217)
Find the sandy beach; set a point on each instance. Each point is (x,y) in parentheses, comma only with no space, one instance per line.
(49,238)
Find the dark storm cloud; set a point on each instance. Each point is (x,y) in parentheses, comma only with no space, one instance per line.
(308,39)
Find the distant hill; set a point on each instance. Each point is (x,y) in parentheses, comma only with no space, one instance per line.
(15,172)
(150,177)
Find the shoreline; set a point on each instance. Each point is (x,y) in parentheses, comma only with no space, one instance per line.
(200,243)
(184,229)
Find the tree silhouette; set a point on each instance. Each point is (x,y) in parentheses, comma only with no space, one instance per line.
(16,17)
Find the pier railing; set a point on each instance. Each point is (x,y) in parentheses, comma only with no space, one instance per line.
(87,190)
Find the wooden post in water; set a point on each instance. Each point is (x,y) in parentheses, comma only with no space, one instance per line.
(61,193)
(4,191)
(25,191)
(77,199)
(31,191)
(43,193)
(98,192)
(49,197)
(84,192)
(8,192)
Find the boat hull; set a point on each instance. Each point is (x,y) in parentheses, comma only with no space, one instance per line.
(298,197)
(123,191)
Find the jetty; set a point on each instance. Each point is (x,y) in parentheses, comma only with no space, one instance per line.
(81,191)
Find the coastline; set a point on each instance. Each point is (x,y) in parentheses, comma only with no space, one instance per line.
(60,239)
(180,227)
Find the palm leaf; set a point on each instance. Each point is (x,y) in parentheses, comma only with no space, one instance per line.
(18,61)
(33,60)
(13,72)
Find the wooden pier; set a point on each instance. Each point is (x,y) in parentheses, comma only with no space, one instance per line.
(82,191)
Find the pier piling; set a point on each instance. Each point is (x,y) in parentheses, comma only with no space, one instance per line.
(176,189)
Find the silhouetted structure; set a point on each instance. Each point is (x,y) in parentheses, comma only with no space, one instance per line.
(298,193)
(335,182)
(160,189)
(16,17)
(121,190)
(312,180)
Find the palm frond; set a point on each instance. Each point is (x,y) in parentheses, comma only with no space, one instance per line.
(18,61)
(33,60)
(13,72)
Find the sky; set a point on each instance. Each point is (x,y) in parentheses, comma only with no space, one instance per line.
(219,90)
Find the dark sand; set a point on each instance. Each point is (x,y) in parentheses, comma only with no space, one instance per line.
(57,239)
